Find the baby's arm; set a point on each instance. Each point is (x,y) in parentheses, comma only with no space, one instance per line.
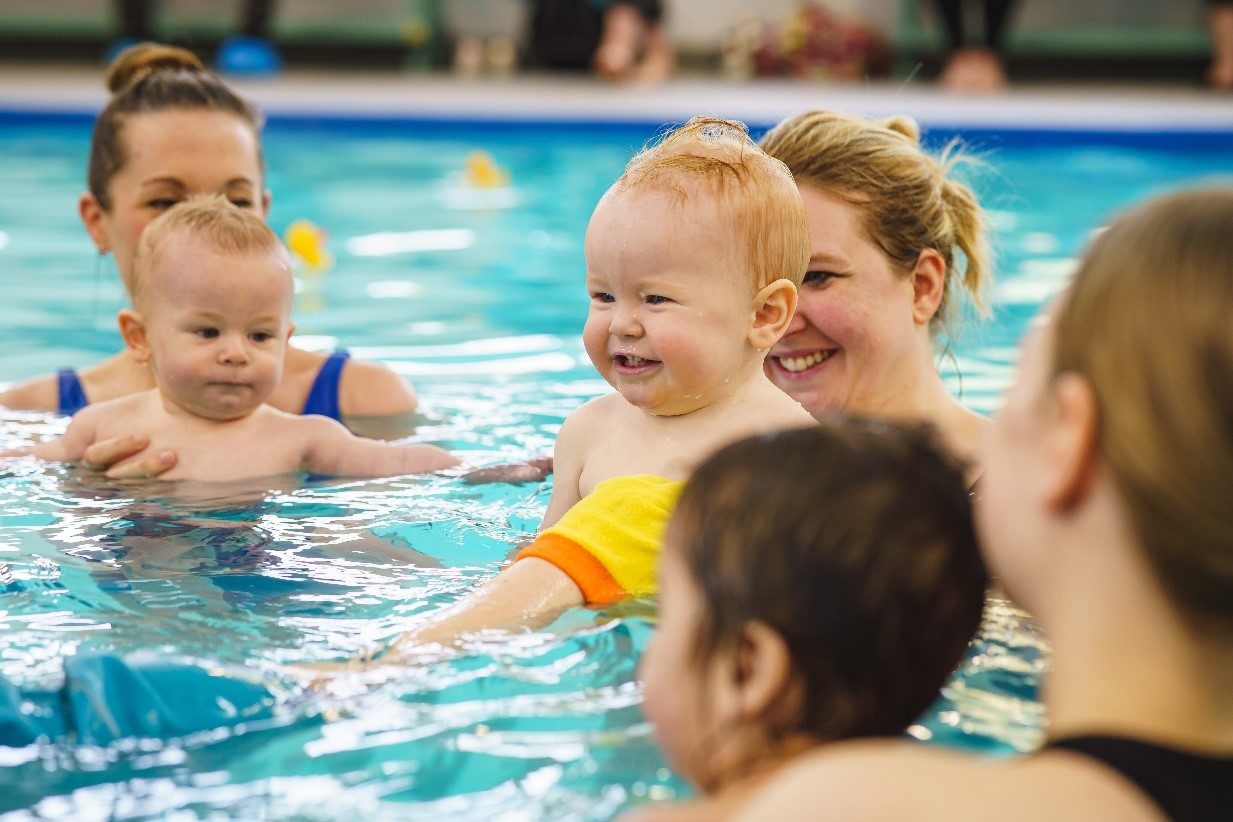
(525,596)
(532,591)
(69,446)
(331,449)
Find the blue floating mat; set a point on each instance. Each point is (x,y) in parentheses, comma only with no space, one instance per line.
(106,697)
(27,716)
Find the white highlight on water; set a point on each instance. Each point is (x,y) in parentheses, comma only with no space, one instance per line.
(385,243)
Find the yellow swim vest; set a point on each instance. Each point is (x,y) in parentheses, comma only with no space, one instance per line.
(610,541)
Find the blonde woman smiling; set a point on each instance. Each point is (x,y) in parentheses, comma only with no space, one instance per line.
(894,243)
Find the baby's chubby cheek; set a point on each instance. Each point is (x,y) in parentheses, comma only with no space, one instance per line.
(595,342)
(660,714)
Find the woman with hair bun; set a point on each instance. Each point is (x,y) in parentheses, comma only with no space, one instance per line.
(894,242)
(1105,509)
(172,131)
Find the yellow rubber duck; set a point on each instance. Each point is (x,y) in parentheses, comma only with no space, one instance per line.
(306,241)
(482,171)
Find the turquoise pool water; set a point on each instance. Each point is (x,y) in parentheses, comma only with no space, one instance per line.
(477,297)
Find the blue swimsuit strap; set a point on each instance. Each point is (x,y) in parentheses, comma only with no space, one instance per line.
(323,396)
(72,394)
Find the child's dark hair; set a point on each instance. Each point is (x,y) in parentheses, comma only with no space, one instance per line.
(854,541)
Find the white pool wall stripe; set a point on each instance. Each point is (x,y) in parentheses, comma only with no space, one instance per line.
(1157,108)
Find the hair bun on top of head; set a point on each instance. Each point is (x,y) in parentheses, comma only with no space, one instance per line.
(135,63)
(903,124)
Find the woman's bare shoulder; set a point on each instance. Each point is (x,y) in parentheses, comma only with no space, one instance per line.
(371,389)
(37,394)
(777,410)
(690,811)
(365,389)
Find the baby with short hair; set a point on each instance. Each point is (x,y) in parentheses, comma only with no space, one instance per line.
(212,293)
(817,585)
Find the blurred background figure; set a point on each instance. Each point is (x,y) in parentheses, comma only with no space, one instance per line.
(619,39)
(809,41)
(250,51)
(1220,26)
(134,21)
(974,68)
(486,34)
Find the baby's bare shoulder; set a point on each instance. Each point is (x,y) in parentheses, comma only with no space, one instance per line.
(778,410)
(282,426)
(593,413)
(935,784)
(132,412)
(605,404)
(283,442)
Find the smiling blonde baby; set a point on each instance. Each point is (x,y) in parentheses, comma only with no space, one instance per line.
(693,260)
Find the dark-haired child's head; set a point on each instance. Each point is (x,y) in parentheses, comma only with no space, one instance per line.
(817,584)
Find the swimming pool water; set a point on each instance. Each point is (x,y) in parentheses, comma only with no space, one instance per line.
(477,297)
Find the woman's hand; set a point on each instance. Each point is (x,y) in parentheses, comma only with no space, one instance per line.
(363,671)
(109,457)
(530,471)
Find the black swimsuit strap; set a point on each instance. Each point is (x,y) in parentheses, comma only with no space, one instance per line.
(1186,786)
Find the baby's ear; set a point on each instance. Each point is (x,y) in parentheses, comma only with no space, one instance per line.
(773,307)
(763,671)
(133,330)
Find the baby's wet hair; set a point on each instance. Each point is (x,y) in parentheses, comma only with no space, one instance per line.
(716,159)
(853,540)
(214,221)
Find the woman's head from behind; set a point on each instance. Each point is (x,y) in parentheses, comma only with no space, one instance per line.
(893,240)
(171,131)
(1142,345)
(816,584)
